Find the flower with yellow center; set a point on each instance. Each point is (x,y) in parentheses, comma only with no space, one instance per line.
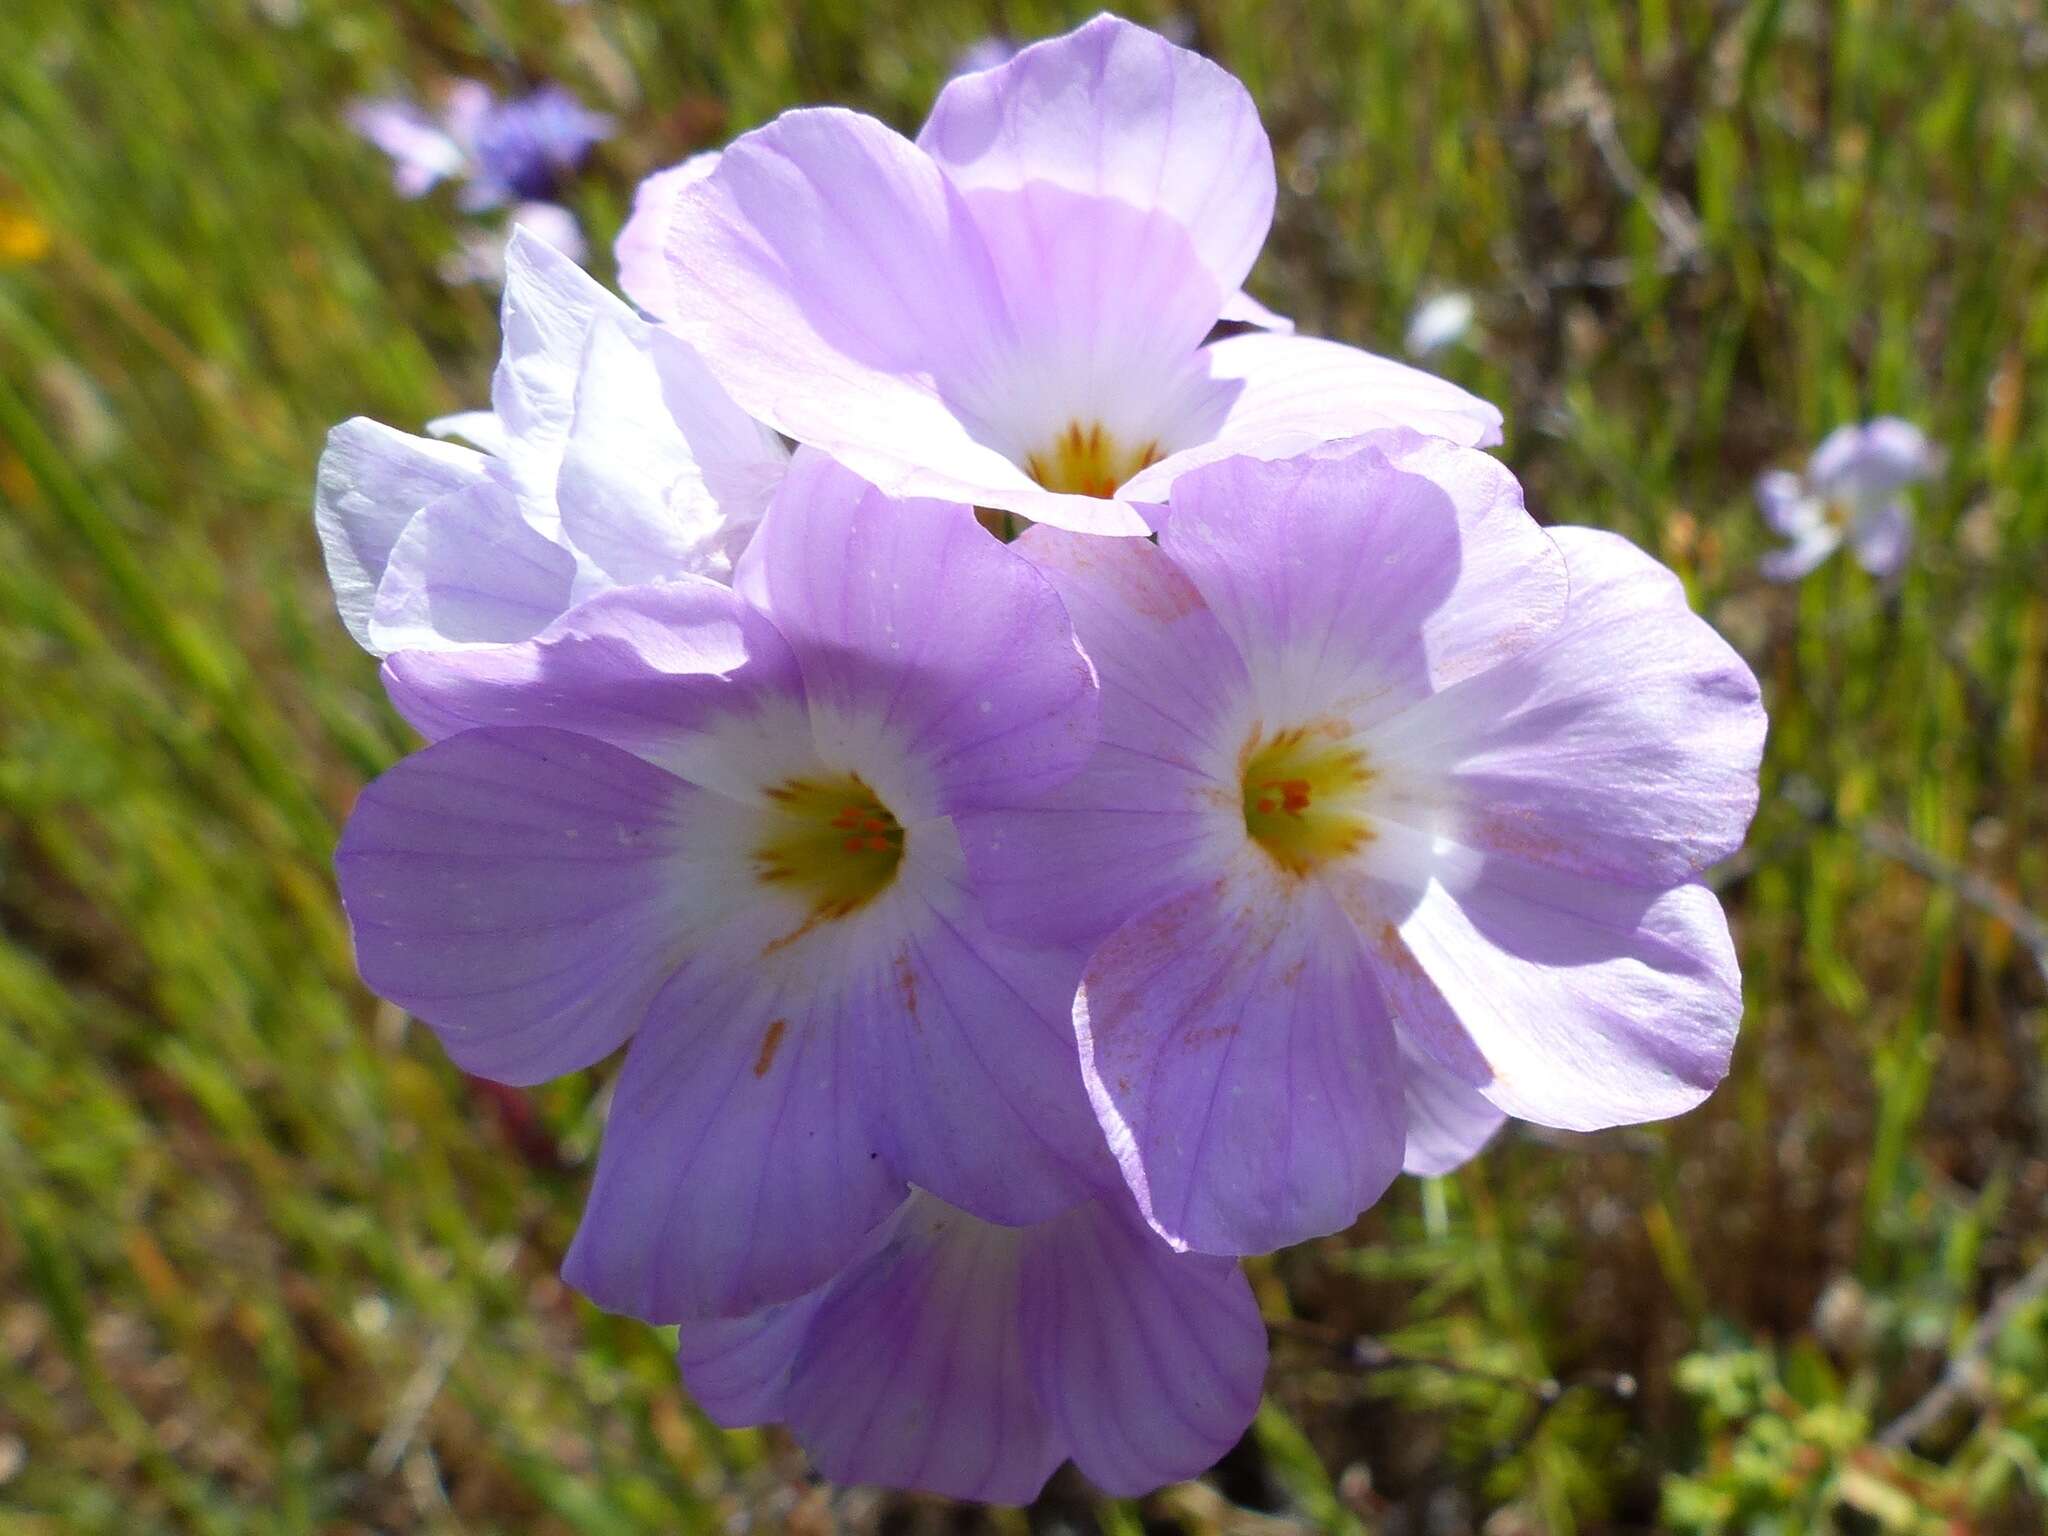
(1022,308)
(1393,830)
(725,823)
(1853,492)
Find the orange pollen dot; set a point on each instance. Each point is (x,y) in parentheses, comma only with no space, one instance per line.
(1295,796)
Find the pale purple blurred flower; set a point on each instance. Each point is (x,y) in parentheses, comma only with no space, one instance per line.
(422,150)
(970,1360)
(1437,323)
(502,150)
(988,53)
(610,457)
(723,824)
(524,148)
(1852,492)
(1394,830)
(1032,335)
(480,253)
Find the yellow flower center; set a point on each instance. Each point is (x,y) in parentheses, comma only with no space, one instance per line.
(1088,461)
(831,841)
(1303,796)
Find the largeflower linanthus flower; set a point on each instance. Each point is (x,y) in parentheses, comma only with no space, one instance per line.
(1012,310)
(1851,493)
(480,256)
(503,151)
(724,825)
(970,1360)
(1399,798)
(983,53)
(610,457)
(1438,322)
(425,149)
(526,146)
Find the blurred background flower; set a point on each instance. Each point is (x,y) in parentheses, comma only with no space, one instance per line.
(1852,492)
(22,235)
(987,53)
(525,147)
(1437,323)
(480,257)
(500,150)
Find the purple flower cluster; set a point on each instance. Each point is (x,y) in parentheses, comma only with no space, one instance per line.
(502,151)
(1003,938)
(515,152)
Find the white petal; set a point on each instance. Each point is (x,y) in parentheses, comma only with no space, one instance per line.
(662,475)
(372,480)
(482,429)
(1804,556)
(1271,397)
(1242,309)
(550,305)
(470,570)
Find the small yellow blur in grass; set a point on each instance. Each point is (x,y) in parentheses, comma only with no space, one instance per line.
(23,237)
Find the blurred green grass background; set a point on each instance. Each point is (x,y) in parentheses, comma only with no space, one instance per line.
(268,1264)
